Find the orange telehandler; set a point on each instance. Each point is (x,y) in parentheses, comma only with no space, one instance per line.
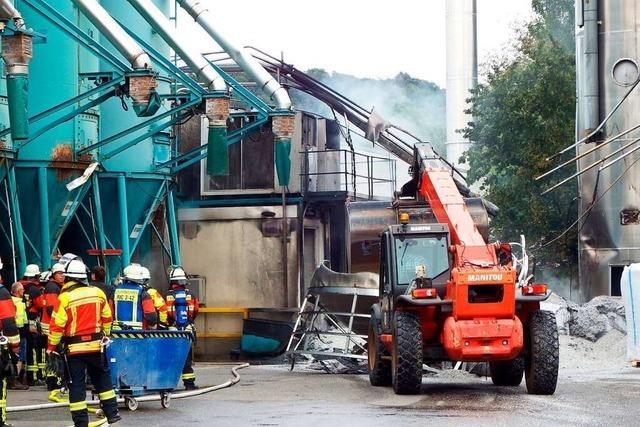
(447,294)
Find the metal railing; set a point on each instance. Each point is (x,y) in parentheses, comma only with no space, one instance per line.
(361,176)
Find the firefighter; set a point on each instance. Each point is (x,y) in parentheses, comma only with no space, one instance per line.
(158,302)
(9,330)
(34,302)
(51,292)
(133,304)
(80,323)
(182,311)
(19,381)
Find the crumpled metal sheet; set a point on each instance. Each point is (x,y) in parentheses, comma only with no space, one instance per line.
(324,277)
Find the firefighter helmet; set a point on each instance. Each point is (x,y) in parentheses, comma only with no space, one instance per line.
(133,273)
(177,274)
(57,268)
(76,269)
(45,276)
(32,270)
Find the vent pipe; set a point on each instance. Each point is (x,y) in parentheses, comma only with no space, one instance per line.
(17,51)
(217,107)
(199,12)
(462,74)
(181,45)
(146,100)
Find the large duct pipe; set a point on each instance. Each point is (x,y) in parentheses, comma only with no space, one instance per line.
(146,101)
(8,11)
(462,74)
(137,57)
(194,59)
(587,66)
(198,10)
(17,51)
(217,108)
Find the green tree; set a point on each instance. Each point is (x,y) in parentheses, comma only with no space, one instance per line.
(522,114)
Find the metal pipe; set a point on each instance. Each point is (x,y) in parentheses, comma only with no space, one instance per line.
(45,235)
(173,229)
(99,220)
(198,10)
(8,11)
(137,57)
(591,166)
(124,220)
(180,44)
(581,155)
(17,219)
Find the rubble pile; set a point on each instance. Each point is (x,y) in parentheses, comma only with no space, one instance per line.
(592,335)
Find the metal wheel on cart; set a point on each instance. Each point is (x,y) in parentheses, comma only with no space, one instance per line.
(165,399)
(131,403)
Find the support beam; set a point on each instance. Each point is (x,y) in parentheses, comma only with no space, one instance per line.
(173,229)
(45,235)
(124,220)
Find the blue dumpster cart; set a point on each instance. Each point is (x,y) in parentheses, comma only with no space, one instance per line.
(147,362)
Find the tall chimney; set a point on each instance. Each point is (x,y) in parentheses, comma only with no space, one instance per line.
(462,74)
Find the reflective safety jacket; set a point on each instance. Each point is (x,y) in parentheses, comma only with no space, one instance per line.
(133,307)
(174,309)
(80,318)
(21,311)
(34,299)
(50,297)
(160,306)
(8,319)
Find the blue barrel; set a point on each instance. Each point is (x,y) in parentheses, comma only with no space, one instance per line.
(143,362)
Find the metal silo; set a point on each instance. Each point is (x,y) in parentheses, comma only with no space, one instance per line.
(42,165)
(126,193)
(607,52)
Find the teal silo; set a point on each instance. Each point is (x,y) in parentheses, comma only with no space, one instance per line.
(45,163)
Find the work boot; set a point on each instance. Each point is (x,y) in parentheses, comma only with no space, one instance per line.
(190,386)
(13,384)
(114,419)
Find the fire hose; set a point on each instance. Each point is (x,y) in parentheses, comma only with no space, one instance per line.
(232,381)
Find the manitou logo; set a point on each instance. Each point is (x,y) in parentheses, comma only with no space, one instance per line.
(485,277)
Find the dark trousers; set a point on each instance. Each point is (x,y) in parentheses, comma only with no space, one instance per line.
(3,402)
(42,356)
(33,351)
(98,370)
(188,377)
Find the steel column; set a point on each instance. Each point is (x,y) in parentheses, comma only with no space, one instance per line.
(173,229)
(17,221)
(45,235)
(97,203)
(124,220)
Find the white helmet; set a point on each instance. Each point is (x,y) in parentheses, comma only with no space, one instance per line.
(146,274)
(133,272)
(45,276)
(57,268)
(177,274)
(76,269)
(32,270)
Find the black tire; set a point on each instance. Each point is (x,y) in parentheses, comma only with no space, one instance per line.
(406,357)
(378,357)
(507,372)
(542,355)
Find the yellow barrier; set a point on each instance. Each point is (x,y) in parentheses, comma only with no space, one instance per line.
(222,310)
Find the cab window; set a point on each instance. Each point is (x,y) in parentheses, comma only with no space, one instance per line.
(413,251)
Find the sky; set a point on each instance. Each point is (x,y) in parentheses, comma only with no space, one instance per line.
(365,38)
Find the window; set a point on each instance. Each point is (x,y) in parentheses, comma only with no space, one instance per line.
(413,251)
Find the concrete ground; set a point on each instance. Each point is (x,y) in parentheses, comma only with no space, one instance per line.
(273,396)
